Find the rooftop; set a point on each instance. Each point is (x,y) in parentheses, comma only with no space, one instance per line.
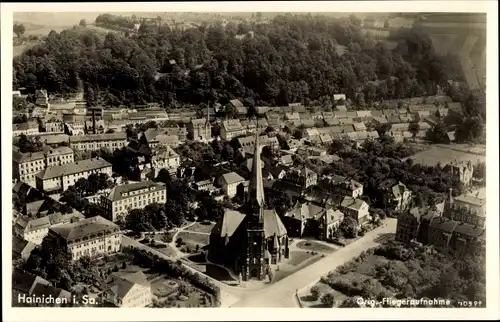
(134,189)
(72,168)
(85,228)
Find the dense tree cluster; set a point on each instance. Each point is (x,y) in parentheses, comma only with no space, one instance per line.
(412,272)
(29,144)
(51,262)
(377,163)
(292,58)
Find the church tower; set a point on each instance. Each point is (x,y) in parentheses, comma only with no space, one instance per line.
(255,264)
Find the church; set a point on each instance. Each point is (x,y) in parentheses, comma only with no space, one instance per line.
(254,241)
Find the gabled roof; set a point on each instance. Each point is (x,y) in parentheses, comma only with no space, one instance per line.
(399,189)
(123,283)
(23,281)
(232,177)
(352,203)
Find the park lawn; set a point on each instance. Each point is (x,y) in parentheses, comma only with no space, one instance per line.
(201,228)
(193,239)
(297,257)
(160,237)
(311,245)
(297,261)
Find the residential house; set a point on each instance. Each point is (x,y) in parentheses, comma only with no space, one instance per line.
(60,177)
(230,182)
(95,142)
(301,176)
(440,232)
(341,185)
(231,129)
(400,197)
(286,160)
(42,98)
(200,130)
(25,166)
(124,198)
(461,170)
(408,224)
(356,208)
(165,158)
(94,236)
(205,185)
(128,290)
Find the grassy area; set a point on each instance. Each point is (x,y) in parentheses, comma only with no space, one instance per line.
(164,237)
(297,257)
(311,245)
(167,293)
(190,240)
(297,261)
(201,227)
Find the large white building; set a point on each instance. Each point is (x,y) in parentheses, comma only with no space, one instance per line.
(124,198)
(94,142)
(26,165)
(95,236)
(61,177)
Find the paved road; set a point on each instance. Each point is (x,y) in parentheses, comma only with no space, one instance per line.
(282,293)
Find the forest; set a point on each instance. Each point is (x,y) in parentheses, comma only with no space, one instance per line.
(293,58)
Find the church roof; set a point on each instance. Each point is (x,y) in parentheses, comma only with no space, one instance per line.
(273,224)
(227,225)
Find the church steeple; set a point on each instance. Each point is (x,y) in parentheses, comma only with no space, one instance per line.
(256,185)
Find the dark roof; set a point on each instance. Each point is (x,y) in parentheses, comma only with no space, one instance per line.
(443,224)
(470,230)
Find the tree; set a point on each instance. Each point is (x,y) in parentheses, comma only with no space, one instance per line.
(349,227)
(83,23)
(414,128)
(328,300)
(314,292)
(470,130)
(29,145)
(19,30)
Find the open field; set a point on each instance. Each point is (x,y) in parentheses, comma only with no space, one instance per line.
(18,50)
(201,228)
(438,154)
(193,239)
